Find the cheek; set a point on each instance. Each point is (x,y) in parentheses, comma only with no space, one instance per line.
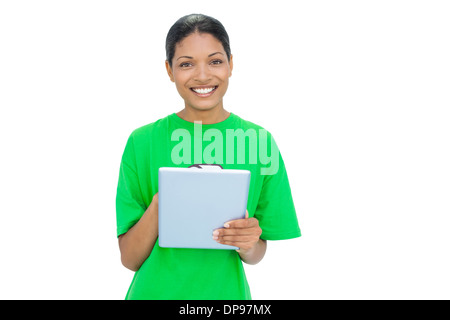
(224,84)
(180,78)
(180,84)
(225,73)
(224,77)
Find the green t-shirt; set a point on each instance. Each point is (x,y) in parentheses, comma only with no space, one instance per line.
(184,274)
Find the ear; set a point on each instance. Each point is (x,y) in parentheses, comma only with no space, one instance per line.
(169,71)
(231,64)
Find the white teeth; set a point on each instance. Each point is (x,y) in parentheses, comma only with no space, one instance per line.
(203,90)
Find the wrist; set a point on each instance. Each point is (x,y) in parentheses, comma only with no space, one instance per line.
(254,254)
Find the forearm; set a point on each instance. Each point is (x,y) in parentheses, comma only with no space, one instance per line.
(137,244)
(254,254)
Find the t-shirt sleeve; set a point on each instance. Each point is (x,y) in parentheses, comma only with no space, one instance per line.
(275,210)
(129,202)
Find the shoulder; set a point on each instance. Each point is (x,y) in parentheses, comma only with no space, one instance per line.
(152,127)
(246,124)
(148,131)
(249,126)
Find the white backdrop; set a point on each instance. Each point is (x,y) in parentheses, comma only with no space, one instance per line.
(356,94)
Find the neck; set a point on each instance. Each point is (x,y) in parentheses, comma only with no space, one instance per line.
(212,116)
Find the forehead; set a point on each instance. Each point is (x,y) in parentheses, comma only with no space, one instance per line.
(198,44)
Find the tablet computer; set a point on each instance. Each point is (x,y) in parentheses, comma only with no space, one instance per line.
(193,202)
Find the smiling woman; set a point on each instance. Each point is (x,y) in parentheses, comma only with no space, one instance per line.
(200,63)
(201,70)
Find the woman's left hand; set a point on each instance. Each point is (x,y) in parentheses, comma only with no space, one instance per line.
(241,233)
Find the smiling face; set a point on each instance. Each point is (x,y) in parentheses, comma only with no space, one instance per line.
(200,70)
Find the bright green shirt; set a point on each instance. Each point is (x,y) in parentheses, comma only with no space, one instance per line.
(187,274)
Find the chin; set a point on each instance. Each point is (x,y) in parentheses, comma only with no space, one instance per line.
(203,107)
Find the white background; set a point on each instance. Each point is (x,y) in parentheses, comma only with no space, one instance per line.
(356,94)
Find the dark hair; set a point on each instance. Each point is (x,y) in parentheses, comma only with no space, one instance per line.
(189,24)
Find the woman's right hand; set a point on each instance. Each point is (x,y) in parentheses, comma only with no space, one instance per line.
(137,243)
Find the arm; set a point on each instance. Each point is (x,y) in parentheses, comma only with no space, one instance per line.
(137,244)
(245,234)
(254,254)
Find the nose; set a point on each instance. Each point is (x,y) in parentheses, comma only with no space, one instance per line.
(203,74)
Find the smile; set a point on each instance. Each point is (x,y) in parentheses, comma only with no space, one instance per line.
(204,92)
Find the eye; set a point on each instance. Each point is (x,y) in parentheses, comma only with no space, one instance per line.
(185,65)
(217,61)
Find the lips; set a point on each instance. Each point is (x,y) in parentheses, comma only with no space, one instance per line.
(204,91)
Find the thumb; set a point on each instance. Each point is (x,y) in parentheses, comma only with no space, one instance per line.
(227,224)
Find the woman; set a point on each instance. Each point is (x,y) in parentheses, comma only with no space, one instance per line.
(199,62)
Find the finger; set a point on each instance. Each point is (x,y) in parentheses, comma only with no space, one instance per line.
(240,244)
(237,235)
(242,223)
(226,224)
(238,238)
(236,232)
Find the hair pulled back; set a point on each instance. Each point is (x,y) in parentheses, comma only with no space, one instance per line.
(192,23)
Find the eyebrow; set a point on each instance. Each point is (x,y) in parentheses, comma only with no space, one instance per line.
(212,54)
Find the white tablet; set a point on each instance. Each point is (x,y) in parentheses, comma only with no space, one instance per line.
(193,202)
